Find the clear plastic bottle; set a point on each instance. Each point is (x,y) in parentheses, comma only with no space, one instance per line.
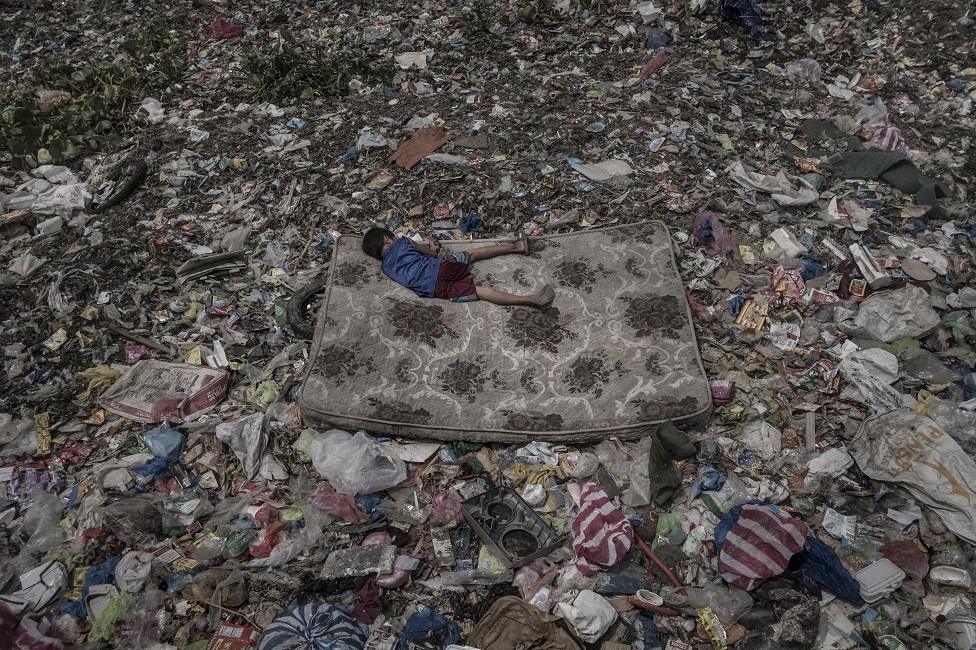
(728,603)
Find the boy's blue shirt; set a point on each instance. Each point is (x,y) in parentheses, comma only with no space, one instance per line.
(407,266)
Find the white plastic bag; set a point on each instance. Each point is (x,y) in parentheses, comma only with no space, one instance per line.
(590,614)
(355,464)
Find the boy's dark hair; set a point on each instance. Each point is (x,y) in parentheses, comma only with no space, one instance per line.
(373,241)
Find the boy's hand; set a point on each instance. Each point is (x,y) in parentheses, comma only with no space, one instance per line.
(435,244)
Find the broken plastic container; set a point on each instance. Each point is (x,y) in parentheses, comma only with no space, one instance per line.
(879,579)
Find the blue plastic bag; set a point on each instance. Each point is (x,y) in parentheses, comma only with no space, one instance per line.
(746,13)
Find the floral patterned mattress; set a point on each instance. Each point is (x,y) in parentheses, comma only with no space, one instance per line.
(615,354)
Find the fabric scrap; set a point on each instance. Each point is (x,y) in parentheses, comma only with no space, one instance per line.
(665,479)
(818,562)
(429,630)
(655,63)
(884,136)
(602,536)
(711,234)
(513,623)
(367,604)
(221,29)
(894,168)
(315,626)
(757,542)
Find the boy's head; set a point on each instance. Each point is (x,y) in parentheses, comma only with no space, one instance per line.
(374,240)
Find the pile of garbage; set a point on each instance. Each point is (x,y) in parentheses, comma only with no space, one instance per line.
(172,185)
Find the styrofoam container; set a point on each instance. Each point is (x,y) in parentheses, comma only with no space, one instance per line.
(879,579)
(963,633)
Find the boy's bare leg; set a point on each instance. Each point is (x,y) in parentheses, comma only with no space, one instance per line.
(488,252)
(541,299)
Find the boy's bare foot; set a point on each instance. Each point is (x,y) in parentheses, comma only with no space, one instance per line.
(545,296)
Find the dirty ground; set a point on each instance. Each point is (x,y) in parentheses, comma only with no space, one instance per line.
(175,179)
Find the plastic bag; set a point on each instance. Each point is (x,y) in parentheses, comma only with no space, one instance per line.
(711,234)
(669,531)
(445,510)
(288,549)
(355,464)
(269,539)
(225,587)
(958,422)
(590,613)
(806,70)
(135,521)
(638,492)
(399,576)
(581,465)
(911,451)
(166,443)
(16,436)
(304,444)
(338,505)
(41,524)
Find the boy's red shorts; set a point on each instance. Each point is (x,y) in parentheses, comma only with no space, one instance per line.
(454,282)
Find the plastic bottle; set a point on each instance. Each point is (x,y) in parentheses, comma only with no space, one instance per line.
(728,603)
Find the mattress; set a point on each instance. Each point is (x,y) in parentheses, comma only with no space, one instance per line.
(614,355)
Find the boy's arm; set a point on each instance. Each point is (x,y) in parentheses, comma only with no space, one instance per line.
(427,249)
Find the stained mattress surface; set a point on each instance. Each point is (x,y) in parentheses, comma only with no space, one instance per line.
(615,354)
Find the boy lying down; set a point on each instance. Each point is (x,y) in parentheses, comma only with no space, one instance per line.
(418,268)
